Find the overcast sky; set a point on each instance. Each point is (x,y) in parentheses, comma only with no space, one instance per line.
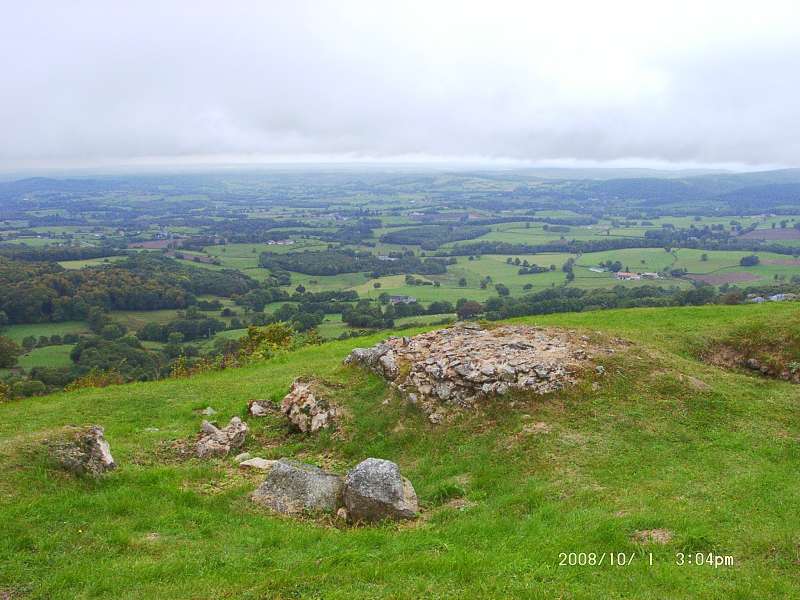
(650,83)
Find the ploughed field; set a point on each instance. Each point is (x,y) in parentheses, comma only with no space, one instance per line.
(658,455)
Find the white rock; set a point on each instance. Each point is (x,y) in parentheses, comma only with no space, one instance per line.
(261,464)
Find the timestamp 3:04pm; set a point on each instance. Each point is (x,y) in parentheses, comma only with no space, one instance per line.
(623,559)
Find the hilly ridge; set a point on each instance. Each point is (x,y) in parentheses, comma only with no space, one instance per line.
(661,441)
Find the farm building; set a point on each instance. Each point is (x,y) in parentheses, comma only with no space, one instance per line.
(626,276)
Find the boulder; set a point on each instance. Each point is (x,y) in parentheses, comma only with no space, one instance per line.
(292,487)
(307,412)
(86,453)
(374,491)
(219,442)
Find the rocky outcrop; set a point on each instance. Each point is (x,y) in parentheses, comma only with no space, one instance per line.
(306,410)
(459,365)
(85,452)
(294,488)
(375,491)
(219,442)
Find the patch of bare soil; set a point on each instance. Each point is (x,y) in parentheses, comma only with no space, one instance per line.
(652,536)
(774,366)
(698,384)
(722,278)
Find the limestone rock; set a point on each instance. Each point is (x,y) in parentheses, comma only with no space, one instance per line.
(380,358)
(292,487)
(219,442)
(374,490)
(86,453)
(260,408)
(306,410)
(260,464)
(458,366)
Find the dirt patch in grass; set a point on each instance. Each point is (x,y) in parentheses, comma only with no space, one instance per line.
(652,536)
(694,382)
(722,278)
(14,593)
(771,350)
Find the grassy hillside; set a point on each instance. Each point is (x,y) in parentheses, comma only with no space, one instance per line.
(660,441)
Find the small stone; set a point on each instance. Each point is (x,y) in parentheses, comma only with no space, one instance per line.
(260,408)
(600,369)
(208,411)
(261,464)
(219,442)
(342,514)
(243,456)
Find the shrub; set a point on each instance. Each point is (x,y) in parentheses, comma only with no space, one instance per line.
(96,378)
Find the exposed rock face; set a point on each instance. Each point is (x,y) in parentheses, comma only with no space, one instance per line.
(219,442)
(88,453)
(459,365)
(374,490)
(307,411)
(294,488)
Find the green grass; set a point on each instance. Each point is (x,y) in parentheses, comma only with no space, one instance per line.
(91,262)
(717,466)
(49,356)
(20,332)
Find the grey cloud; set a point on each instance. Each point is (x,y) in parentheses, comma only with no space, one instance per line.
(95,80)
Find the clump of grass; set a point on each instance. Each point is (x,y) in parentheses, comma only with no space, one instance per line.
(445,492)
